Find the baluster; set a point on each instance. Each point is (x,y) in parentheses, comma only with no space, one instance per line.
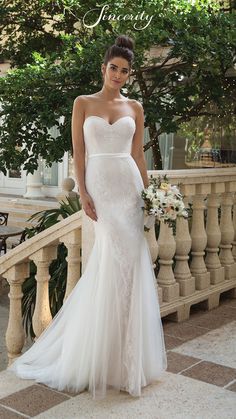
(152,244)
(73,243)
(150,222)
(214,236)
(15,335)
(42,314)
(153,249)
(165,277)
(183,245)
(88,238)
(199,239)
(227,233)
(234,223)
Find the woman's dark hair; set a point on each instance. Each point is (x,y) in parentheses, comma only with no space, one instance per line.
(123,47)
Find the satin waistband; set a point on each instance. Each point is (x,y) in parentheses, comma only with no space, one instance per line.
(109,155)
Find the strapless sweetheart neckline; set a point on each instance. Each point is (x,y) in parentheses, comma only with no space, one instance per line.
(108,123)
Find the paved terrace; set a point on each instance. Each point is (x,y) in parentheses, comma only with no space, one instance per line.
(200,382)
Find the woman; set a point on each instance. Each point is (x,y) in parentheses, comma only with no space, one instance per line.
(108,332)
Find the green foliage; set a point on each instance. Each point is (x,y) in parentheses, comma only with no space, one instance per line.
(49,217)
(57,58)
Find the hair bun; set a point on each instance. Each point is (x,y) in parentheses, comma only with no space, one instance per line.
(125,41)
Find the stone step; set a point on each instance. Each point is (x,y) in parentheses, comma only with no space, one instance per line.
(20,209)
(19,212)
(15,220)
(21,203)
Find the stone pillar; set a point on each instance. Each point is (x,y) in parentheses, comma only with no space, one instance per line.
(42,313)
(214,235)
(153,249)
(67,187)
(15,335)
(199,239)
(227,233)
(88,237)
(183,245)
(34,184)
(73,243)
(165,277)
(149,222)
(234,223)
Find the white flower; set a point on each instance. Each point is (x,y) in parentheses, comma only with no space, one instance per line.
(164,201)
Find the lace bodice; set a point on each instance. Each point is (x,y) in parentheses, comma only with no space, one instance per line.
(102,137)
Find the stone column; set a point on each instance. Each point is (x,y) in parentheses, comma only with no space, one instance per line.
(183,245)
(227,232)
(165,277)
(15,335)
(152,244)
(73,243)
(42,313)
(153,249)
(214,235)
(234,223)
(199,239)
(88,237)
(34,184)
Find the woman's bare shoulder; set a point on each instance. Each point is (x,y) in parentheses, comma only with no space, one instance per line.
(135,103)
(84,98)
(82,102)
(81,99)
(137,108)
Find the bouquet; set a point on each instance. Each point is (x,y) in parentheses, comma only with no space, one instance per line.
(162,201)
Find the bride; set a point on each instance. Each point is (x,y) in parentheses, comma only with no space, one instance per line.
(108,333)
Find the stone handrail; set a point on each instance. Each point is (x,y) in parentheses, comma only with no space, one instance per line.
(15,267)
(41,240)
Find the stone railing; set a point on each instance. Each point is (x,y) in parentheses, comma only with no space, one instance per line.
(15,267)
(196,265)
(203,251)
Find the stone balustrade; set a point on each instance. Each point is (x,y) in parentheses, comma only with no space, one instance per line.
(15,267)
(195,265)
(203,264)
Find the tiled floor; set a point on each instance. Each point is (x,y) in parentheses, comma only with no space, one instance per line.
(200,382)
(204,347)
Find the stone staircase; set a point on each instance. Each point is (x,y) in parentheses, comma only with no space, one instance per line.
(20,209)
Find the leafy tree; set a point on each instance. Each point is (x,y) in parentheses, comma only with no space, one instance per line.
(56,58)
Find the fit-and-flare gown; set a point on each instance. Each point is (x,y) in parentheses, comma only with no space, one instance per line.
(108,333)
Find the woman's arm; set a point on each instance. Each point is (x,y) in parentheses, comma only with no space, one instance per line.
(79,156)
(137,144)
(78,143)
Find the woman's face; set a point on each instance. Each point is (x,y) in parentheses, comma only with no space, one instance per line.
(116,72)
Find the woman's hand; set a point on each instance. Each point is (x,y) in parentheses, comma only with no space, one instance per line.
(88,206)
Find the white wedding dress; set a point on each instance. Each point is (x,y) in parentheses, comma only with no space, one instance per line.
(108,333)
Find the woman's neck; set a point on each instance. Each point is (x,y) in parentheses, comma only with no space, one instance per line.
(108,94)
